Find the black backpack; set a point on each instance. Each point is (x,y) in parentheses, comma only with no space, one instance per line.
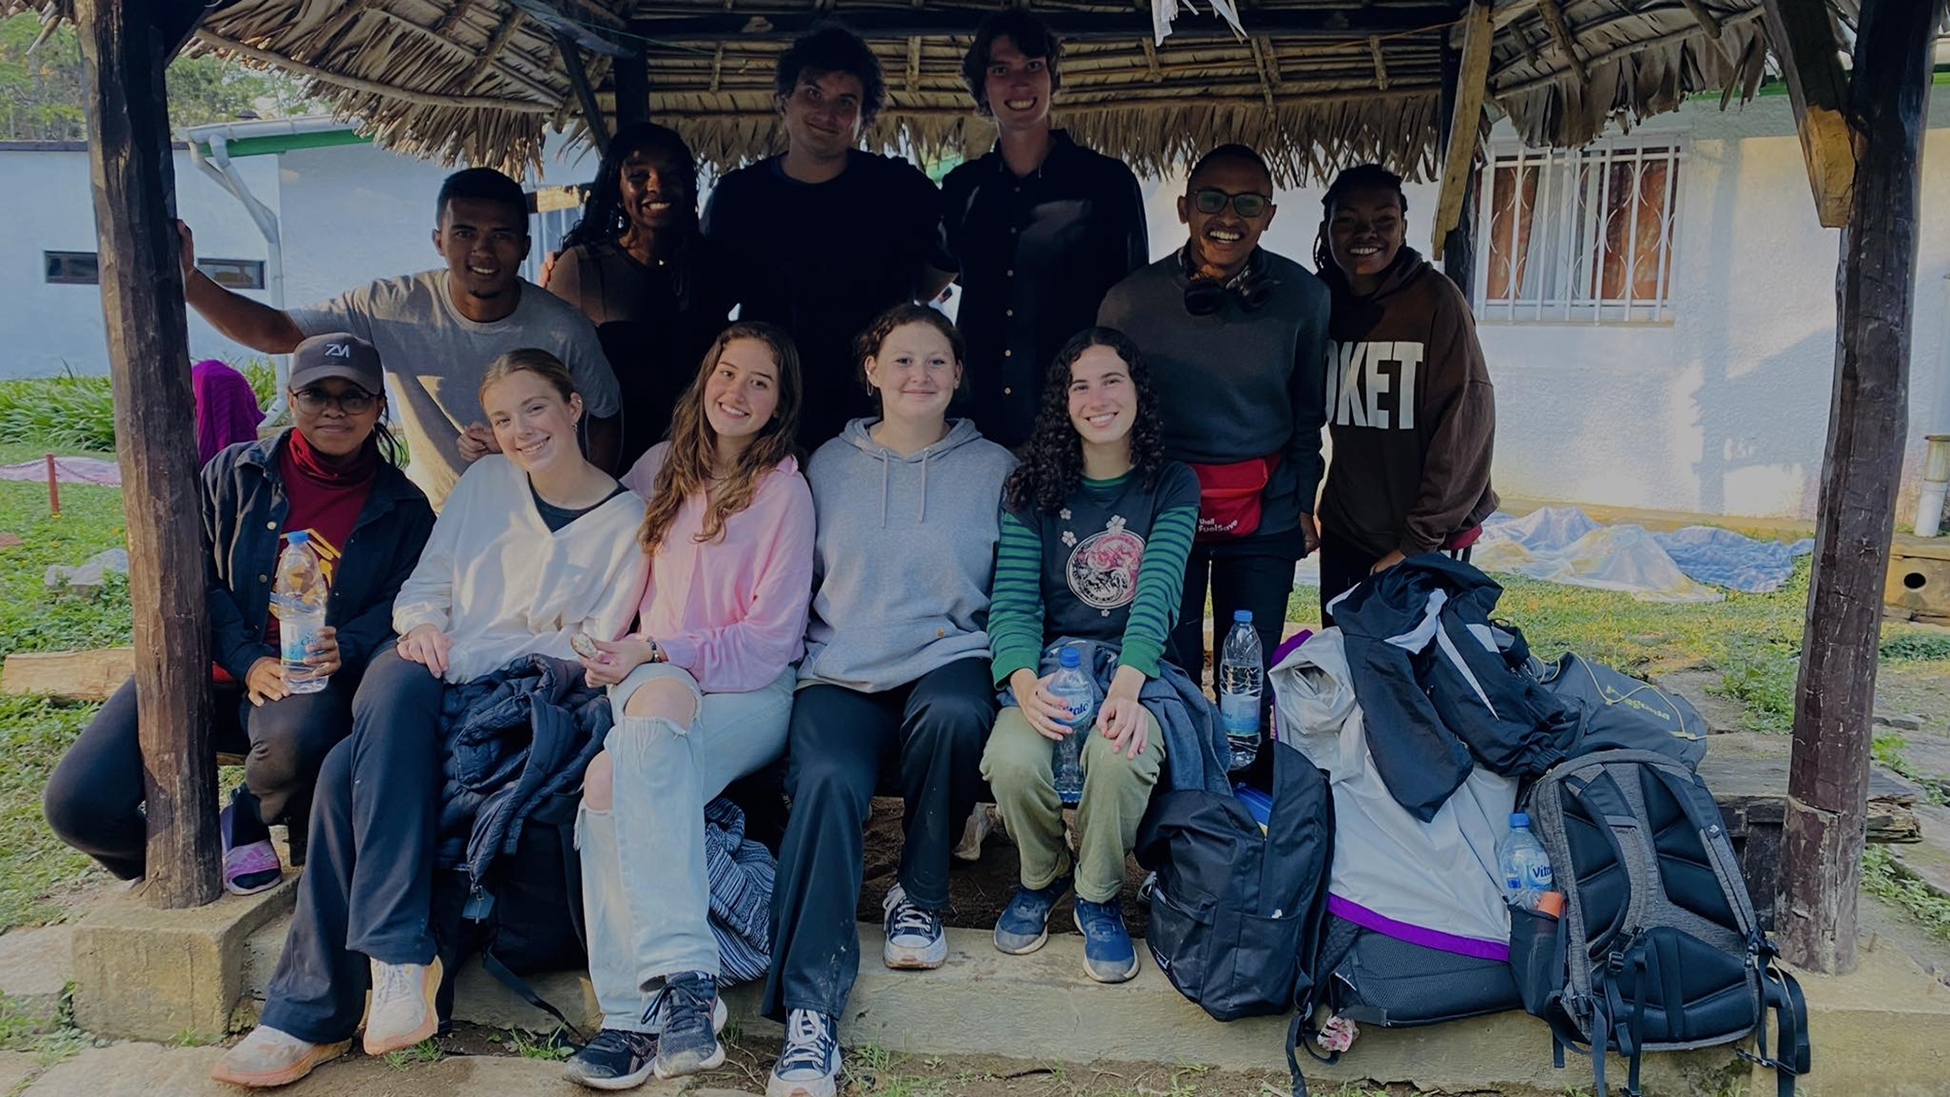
(1658,948)
(1236,913)
(525,916)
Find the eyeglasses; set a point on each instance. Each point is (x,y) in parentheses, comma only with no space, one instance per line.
(1213,200)
(350,402)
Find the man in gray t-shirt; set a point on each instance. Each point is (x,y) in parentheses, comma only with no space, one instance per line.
(436,331)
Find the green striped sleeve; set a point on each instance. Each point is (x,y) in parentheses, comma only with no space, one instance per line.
(1016,602)
(1161,583)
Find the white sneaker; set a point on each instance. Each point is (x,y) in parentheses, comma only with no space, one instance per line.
(402,1011)
(974,833)
(271,1057)
(915,939)
(809,1060)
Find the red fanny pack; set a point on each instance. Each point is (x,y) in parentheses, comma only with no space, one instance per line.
(1229,496)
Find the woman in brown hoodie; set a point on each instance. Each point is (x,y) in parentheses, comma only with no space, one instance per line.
(1409,404)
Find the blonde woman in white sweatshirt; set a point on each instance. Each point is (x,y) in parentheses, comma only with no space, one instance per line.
(535,545)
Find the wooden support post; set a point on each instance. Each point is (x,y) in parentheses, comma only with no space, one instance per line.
(1803,35)
(125,45)
(1465,81)
(1835,695)
(1567,43)
(592,113)
(630,80)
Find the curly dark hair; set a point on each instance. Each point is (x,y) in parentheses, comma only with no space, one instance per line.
(1359,177)
(1051,467)
(1032,37)
(603,217)
(833,48)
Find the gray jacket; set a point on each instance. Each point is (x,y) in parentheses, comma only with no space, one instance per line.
(903,556)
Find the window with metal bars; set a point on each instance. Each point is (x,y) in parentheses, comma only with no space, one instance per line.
(1580,234)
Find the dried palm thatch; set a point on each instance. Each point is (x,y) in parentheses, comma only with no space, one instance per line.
(1314,84)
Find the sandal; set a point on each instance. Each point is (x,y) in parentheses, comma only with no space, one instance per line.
(250,868)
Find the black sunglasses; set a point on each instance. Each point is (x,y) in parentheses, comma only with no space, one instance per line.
(1210,200)
(351,401)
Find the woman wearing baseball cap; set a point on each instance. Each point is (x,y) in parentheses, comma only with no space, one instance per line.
(333,475)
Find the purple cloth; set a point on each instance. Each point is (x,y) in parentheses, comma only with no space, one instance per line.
(226,408)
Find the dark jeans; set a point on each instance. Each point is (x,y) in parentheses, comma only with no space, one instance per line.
(1252,573)
(1343,566)
(93,800)
(367,892)
(929,734)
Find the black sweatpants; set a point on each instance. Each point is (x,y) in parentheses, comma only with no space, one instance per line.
(1252,573)
(93,799)
(1343,566)
(367,892)
(841,742)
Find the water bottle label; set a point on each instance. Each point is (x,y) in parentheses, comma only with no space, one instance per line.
(1239,712)
(1540,875)
(293,639)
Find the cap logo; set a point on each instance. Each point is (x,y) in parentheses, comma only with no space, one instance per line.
(338,350)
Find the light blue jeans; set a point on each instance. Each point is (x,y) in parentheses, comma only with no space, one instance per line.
(645,895)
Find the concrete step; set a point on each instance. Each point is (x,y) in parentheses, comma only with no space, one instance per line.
(1884,1029)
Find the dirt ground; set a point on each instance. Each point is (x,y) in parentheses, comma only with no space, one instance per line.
(977,891)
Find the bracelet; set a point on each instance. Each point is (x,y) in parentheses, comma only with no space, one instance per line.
(656,652)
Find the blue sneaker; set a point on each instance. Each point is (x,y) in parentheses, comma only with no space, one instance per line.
(1107,953)
(1024,924)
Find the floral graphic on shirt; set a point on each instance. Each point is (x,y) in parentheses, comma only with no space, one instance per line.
(1103,570)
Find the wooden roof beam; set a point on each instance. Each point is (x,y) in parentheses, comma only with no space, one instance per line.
(1380,63)
(592,115)
(550,14)
(1472,87)
(1803,35)
(1567,43)
(884,23)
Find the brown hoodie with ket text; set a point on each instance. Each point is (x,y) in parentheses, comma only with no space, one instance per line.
(1410,411)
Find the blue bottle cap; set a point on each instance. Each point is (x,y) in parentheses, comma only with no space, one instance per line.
(1242,616)
(297,537)
(1519,819)
(1068,657)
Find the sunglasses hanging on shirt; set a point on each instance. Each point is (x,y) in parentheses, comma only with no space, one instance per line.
(1205,296)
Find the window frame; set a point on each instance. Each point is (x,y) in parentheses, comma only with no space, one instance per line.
(50,257)
(1581,261)
(258,281)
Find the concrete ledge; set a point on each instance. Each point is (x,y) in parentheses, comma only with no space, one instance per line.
(1885,1029)
(158,974)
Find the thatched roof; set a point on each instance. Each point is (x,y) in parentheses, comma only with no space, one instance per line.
(1314,83)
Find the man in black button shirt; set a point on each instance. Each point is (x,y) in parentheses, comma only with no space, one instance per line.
(1040,227)
(826,237)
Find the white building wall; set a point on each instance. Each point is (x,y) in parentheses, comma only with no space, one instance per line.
(50,329)
(350,214)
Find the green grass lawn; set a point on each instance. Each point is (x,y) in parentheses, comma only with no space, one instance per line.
(34,731)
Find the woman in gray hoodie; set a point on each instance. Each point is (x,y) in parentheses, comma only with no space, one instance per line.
(895,680)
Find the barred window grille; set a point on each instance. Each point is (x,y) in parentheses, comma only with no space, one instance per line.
(1581,234)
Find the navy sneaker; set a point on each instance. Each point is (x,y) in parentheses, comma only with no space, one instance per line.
(1107,953)
(690,1016)
(809,1061)
(615,1059)
(1024,924)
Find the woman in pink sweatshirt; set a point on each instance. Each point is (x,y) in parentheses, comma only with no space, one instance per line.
(702,692)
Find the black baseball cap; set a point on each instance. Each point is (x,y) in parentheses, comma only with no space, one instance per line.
(337,354)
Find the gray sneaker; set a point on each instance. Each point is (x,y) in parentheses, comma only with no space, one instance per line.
(915,939)
(687,1015)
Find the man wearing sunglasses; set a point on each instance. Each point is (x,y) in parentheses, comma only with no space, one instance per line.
(1235,336)
(1040,227)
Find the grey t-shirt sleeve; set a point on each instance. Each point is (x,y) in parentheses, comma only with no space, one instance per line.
(582,352)
(350,311)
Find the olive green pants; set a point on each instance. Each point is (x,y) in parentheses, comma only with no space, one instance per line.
(1018,767)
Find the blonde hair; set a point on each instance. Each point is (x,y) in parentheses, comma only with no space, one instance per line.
(529,360)
(693,444)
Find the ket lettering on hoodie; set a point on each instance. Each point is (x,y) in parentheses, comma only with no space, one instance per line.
(1372,384)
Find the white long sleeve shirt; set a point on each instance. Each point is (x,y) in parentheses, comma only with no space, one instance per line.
(501,585)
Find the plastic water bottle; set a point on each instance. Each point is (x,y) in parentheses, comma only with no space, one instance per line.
(1526,868)
(1240,676)
(299,595)
(1071,688)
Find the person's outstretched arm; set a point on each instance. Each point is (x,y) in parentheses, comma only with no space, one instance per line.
(239,319)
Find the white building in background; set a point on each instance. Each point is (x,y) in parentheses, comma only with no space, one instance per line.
(1657,309)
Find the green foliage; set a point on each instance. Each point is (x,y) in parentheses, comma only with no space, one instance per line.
(530,1046)
(1902,642)
(1762,679)
(65,414)
(41,87)
(426,1051)
(1883,878)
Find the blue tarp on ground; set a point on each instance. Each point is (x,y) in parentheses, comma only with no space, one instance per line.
(1563,545)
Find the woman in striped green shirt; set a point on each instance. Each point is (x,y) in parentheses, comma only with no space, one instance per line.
(1096,527)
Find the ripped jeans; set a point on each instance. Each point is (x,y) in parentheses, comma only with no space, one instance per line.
(645,894)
